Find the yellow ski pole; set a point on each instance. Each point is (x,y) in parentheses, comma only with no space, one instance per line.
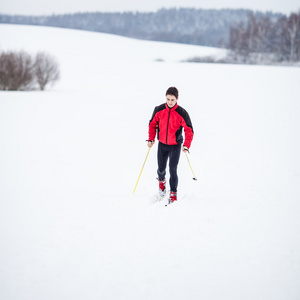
(141,170)
(190,166)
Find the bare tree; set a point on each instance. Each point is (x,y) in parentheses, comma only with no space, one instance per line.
(24,79)
(293,31)
(238,41)
(16,71)
(46,69)
(5,66)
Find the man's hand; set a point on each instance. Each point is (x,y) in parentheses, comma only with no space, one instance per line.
(150,144)
(185,149)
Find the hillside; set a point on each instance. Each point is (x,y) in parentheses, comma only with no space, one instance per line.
(70,226)
(206,27)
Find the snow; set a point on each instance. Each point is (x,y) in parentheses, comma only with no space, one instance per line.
(70,226)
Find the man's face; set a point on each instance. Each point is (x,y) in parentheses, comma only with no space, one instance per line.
(171,100)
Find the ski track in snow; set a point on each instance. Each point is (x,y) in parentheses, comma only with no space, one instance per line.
(71,228)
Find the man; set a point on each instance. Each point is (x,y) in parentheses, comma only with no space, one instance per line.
(167,122)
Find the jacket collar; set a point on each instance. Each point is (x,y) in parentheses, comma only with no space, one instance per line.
(174,107)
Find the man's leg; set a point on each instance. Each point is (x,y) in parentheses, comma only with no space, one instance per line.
(162,158)
(173,163)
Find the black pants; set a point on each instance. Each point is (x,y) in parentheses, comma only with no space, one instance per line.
(173,153)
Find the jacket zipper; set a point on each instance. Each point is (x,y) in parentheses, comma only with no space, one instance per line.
(168,126)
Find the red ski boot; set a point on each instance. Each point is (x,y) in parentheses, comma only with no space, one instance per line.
(173,197)
(162,187)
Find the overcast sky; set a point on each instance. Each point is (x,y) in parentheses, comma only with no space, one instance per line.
(48,7)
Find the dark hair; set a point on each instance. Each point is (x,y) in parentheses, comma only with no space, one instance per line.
(172,91)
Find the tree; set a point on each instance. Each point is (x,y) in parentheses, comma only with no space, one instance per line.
(46,69)
(16,71)
(294,33)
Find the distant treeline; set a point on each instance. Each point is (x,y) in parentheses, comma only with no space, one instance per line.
(251,37)
(260,38)
(185,25)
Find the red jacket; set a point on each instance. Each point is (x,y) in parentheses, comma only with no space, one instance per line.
(168,123)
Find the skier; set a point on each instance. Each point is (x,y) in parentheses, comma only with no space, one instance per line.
(167,121)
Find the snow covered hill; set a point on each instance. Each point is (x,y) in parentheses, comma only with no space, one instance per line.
(70,226)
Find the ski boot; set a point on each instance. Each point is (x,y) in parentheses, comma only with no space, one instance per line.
(162,187)
(172,197)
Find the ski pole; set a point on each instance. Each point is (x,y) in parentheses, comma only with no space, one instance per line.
(190,166)
(141,170)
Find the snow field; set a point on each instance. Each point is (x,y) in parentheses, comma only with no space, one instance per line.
(71,227)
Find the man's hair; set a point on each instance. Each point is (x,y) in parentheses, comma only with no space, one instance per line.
(172,91)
